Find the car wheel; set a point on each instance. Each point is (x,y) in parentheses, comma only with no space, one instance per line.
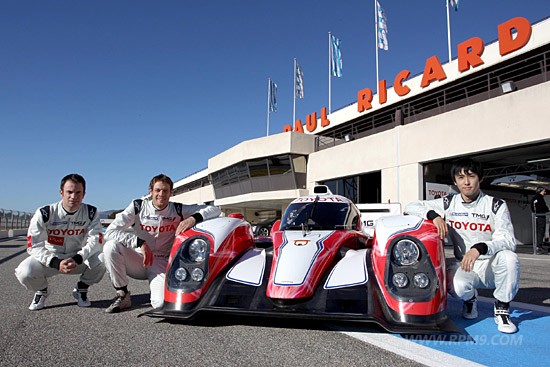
(263,231)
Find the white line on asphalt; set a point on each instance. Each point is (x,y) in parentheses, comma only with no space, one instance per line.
(410,350)
(534,257)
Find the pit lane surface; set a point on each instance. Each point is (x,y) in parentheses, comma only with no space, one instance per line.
(64,334)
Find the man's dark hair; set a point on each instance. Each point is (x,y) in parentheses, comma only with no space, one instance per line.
(161,178)
(76,178)
(466,165)
(540,189)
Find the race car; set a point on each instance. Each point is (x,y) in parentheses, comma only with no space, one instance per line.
(318,264)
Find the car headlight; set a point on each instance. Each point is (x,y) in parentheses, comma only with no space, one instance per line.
(400,280)
(405,252)
(198,249)
(180,274)
(197,274)
(421,280)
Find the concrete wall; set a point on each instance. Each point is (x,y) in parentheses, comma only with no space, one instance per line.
(201,195)
(13,233)
(17,232)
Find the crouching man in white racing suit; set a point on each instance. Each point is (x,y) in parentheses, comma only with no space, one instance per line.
(63,238)
(139,240)
(481,232)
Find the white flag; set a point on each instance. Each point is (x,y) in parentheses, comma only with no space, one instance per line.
(382,27)
(299,82)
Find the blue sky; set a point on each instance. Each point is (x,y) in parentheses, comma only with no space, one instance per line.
(121,90)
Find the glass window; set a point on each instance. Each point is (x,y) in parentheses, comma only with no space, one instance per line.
(279,165)
(258,167)
(344,186)
(242,171)
(316,215)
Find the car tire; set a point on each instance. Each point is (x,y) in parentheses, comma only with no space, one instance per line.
(263,231)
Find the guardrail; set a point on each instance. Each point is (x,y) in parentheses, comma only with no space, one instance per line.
(13,223)
(13,219)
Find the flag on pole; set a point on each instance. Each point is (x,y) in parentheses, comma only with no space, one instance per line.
(272,96)
(454,4)
(336,59)
(299,93)
(382,27)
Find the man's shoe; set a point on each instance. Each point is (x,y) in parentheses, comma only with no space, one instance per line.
(539,251)
(469,309)
(121,302)
(38,300)
(502,319)
(81,296)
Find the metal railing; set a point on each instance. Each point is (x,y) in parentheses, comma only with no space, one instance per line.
(13,219)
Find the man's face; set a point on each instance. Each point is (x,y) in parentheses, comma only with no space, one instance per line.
(72,195)
(468,185)
(160,194)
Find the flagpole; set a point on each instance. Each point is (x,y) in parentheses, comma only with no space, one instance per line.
(376,42)
(294,94)
(448,30)
(268,104)
(329,77)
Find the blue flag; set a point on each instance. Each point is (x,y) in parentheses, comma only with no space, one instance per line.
(382,27)
(299,82)
(336,59)
(272,96)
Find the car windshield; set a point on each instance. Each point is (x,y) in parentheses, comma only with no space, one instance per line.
(316,216)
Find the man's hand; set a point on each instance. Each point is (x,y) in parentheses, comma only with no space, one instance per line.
(442,228)
(469,259)
(147,255)
(67,265)
(185,225)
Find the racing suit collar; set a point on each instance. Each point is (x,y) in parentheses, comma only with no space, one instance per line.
(64,212)
(157,209)
(473,202)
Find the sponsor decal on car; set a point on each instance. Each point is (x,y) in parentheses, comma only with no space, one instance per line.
(300,242)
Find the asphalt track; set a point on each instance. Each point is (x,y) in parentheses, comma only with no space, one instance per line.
(64,334)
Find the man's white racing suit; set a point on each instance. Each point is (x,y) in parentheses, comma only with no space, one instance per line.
(54,235)
(142,222)
(485,224)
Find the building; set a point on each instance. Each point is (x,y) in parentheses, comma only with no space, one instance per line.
(397,146)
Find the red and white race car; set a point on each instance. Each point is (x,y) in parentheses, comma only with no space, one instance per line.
(319,264)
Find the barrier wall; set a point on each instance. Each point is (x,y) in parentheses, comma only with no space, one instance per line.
(17,232)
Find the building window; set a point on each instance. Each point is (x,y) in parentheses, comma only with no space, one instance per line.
(279,165)
(258,167)
(260,175)
(364,188)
